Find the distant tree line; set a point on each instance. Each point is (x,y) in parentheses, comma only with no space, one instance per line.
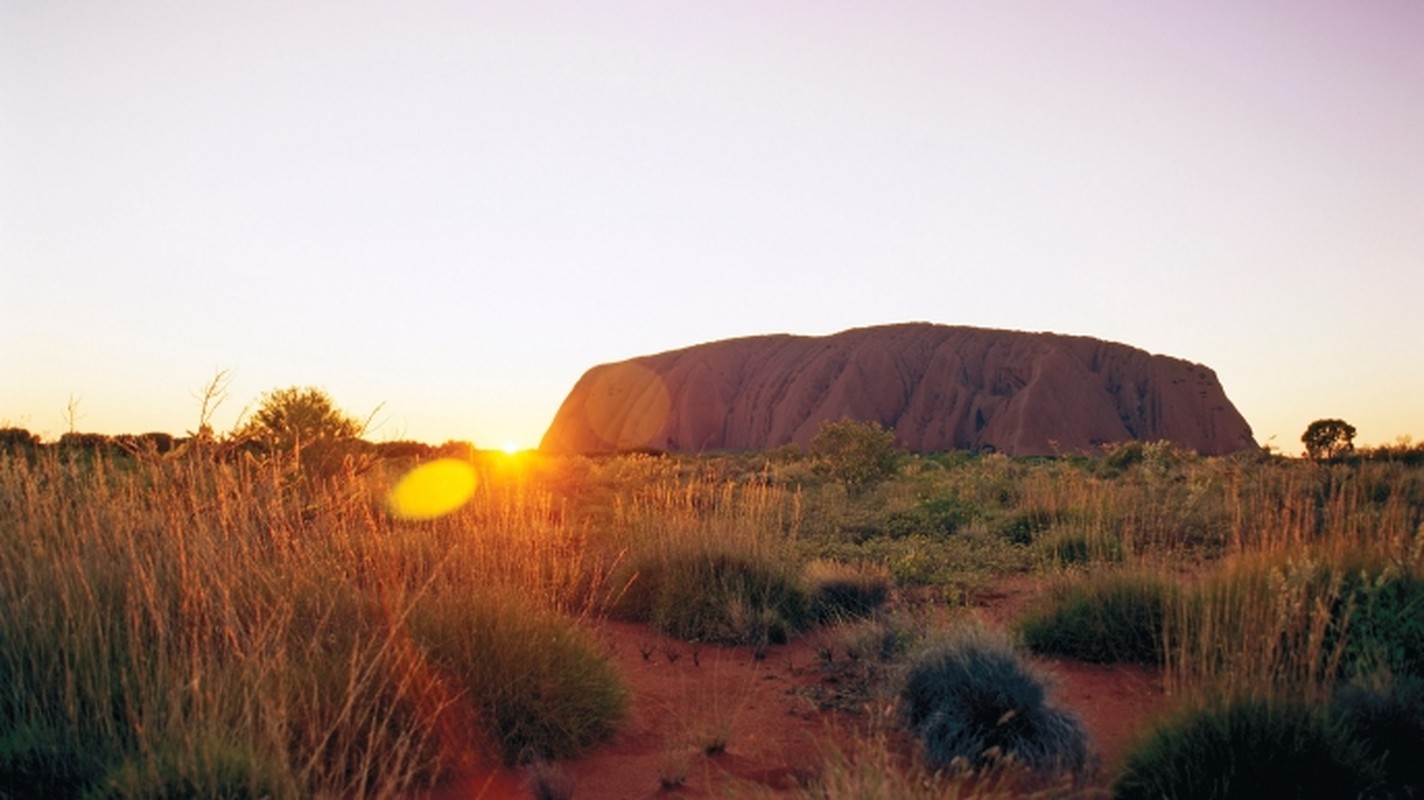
(296,423)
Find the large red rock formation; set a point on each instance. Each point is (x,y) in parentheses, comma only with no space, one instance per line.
(939,387)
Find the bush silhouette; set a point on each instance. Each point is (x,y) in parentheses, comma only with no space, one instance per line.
(1325,439)
(292,418)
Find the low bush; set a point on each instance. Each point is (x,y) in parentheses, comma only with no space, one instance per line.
(841,591)
(1249,748)
(973,703)
(539,684)
(1105,618)
(881,640)
(716,597)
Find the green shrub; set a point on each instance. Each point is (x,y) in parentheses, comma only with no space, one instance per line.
(858,454)
(538,682)
(1386,627)
(717,597)
(1105,618)
(945,514)
(1124,456)
(1249,748)
(972,702)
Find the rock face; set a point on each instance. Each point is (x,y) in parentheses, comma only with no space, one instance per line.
(939,387)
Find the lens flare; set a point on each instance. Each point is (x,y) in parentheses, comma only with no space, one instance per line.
(432,490)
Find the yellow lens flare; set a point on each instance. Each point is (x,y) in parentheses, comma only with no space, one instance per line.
(432,490)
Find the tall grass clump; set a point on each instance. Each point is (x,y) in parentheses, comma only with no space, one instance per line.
(147,603)
(711,562)
(1103,618)
(1299,625)
(973,703)
(1249,748)
(541,688)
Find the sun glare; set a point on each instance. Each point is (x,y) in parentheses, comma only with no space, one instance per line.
(432,490)
(510,448)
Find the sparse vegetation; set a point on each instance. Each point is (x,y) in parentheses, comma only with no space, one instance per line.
(320,646)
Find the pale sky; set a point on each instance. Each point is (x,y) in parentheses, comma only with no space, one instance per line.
(455,208)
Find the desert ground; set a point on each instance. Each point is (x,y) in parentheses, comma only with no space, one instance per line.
(450,623)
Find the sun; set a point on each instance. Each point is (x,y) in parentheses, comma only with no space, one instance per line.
(510,448)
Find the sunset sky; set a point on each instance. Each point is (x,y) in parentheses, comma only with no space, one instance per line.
(455,208)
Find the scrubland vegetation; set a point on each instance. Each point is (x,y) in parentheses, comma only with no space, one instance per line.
(192,620)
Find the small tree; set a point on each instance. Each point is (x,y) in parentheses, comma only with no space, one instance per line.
(859,454)
(293,418)
(1328,438)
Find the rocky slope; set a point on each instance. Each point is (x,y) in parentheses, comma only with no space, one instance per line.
(939,387)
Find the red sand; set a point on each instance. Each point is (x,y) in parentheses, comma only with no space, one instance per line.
(686,699)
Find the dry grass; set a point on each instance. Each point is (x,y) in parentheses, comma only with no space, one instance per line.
(302,624)
(147,601)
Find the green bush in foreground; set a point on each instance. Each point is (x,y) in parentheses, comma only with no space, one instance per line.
(539,683)
(1249,748)
(1106,618)
(972,702)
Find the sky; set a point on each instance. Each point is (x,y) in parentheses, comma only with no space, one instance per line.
(443,213)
